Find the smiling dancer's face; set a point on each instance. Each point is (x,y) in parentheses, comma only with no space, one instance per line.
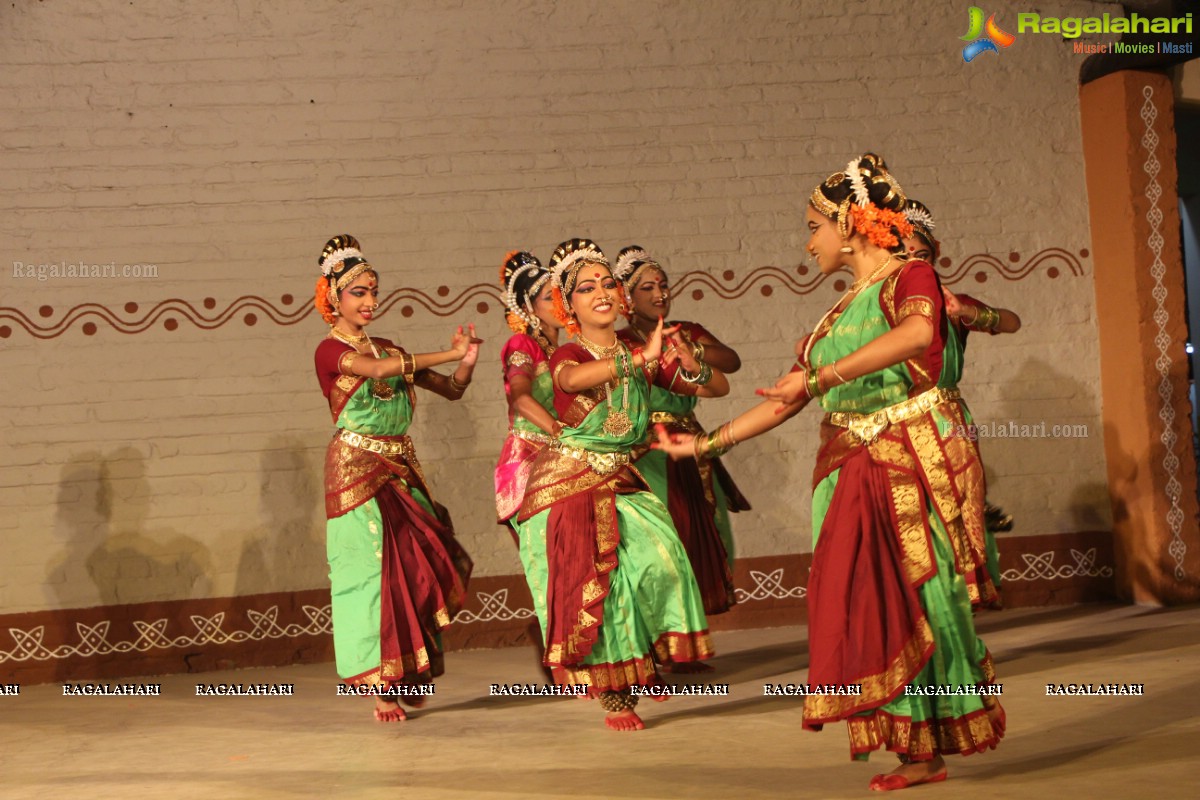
(595,299)
(360,299)
(651,297)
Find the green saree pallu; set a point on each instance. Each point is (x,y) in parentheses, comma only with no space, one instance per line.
(397,574)
(698,494)
(612,585)
(889,604)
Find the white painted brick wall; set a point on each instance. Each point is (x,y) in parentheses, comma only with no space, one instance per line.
(226,146)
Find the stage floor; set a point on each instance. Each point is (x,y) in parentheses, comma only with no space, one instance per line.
(467,744)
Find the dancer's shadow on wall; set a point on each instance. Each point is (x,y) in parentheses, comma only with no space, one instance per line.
(114,554)
(1161,572)
(285,551)
(1058,399)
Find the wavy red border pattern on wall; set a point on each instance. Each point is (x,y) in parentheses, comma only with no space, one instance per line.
(251,309)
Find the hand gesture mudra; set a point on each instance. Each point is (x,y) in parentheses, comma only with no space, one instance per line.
(653,350)
(464,344)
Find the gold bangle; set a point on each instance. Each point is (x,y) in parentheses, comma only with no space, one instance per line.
(837,374)
(456,386)
(813,383)
(612,367)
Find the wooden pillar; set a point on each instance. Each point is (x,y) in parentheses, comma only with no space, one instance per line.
(1129,152)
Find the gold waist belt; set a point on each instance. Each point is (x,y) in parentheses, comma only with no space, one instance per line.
(385,447)
(536,437)
(601,463)
(868,426)
(686,421)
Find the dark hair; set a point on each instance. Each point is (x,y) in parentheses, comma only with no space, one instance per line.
(568,248)
(343,241)
(882,189)
(921,229)
(528,279)
(841,198)
(631,261)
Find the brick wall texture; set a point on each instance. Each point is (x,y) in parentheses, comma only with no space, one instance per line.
(223,144)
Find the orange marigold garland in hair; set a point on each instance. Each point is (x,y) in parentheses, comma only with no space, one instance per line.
(321,301)
(864,197)
(880,225)
(562,314)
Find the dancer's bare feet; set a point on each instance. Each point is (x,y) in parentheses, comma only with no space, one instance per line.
(910,774)
(687,668)
(626,720)
(388,711)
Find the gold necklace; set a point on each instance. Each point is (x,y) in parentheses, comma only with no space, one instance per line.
(862,283)
(854,289)
(353,341)
(600,351)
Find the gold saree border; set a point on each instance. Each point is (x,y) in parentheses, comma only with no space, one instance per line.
(879,688)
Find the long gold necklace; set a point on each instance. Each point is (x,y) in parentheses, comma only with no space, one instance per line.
(380,389)
(854,289)
(617,422)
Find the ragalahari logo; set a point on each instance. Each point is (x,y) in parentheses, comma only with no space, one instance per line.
(983,36)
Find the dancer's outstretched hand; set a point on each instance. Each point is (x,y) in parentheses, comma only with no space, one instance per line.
(677,445)
(463,342)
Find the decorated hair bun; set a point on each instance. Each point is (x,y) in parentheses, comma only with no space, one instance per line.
(522,276)
(865,198)
(343,241)
(630,263)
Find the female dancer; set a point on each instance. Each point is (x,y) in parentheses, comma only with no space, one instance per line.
(888,605)
(966,314)
(397,573)
(527,386)
(619,593)
(699,495)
